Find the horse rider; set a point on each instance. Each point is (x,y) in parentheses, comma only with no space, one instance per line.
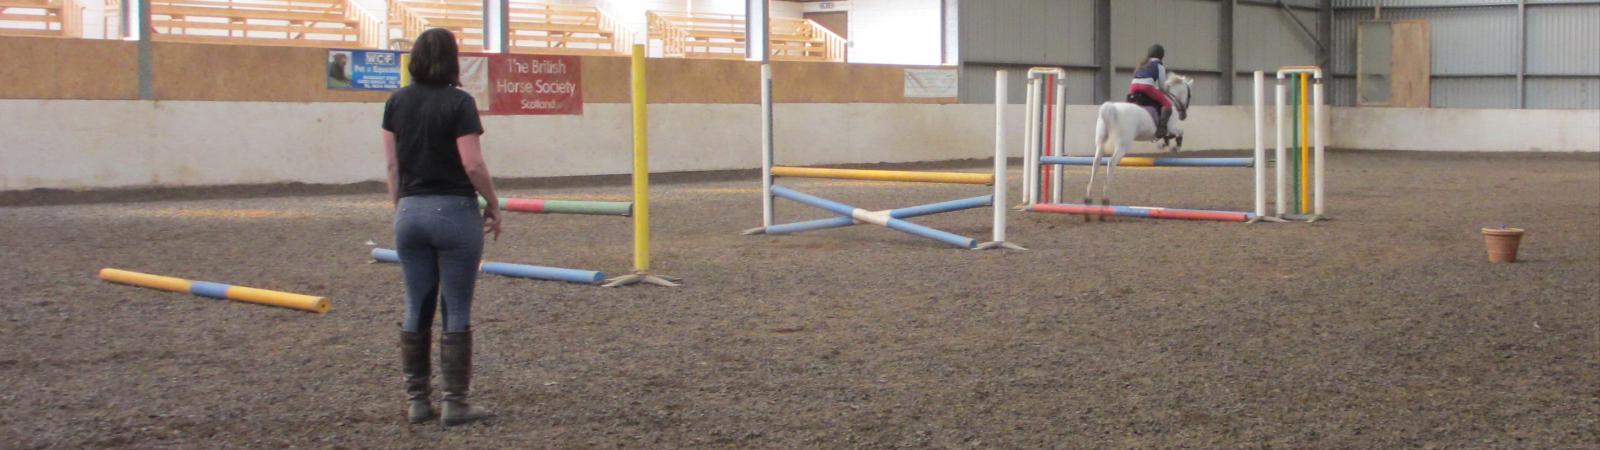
(1150,82)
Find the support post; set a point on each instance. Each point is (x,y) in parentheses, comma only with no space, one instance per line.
(1037,137)
(1280,160)
(756,28)
(1258,94)
(641,183)
(1304,111)
(1319,121)
(1260,151)
(1325,31)
(1058,125)
(998,205)
(1522,53)
(766,145)
(496,26)
(767,203)
(1030,166)
(1102,51)
(136,27)
(1225,52)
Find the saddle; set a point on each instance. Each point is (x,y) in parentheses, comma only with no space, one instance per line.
(1149,105)
(1153,108)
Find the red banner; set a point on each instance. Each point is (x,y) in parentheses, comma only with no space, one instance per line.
(524,84)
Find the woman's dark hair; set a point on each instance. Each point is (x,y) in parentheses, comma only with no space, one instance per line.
(435,58)
(1156,51)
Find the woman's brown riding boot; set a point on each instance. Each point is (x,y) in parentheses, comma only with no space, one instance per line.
(455,361)
(415,364)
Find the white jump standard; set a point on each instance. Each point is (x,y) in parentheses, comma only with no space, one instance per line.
(893,218)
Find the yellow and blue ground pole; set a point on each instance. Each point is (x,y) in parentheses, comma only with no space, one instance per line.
(209,289)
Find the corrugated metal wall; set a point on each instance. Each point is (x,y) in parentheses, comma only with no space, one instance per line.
(1027,31)
(1187,28)
(1018,34)
(1475,52)
(1265,39)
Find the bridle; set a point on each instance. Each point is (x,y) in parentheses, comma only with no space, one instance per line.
(1183,105)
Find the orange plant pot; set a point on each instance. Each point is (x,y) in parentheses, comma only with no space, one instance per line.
(1502,243)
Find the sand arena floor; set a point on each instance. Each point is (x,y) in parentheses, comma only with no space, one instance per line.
(1381,328)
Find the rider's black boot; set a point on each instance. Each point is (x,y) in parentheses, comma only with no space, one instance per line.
(1161,122)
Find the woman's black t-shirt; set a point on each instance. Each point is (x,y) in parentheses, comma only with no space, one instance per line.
(426,120)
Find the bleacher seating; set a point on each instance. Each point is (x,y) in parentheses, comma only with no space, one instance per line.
(535,27)
(312,23)
(702,35)
(58,18)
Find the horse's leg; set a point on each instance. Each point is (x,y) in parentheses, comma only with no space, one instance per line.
(1101,138)
(1124,142)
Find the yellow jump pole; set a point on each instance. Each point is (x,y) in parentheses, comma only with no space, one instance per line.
(1305,143)
(310,303)
(641,183)
(884,175)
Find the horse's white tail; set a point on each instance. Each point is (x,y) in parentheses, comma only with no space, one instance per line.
(1102,133)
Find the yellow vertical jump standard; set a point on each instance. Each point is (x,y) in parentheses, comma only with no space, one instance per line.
(641,184)
(1305,143)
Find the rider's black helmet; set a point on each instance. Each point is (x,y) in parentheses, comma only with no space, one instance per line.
(1157,51)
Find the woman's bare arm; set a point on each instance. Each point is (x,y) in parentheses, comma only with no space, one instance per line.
(393,167)
(478,172)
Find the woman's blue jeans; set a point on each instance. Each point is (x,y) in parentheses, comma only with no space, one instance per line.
(440,241)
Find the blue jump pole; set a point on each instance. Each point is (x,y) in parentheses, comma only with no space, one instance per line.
(1139,161)
(515,270)
(902,213)
(1141,211)
(809,225)
(544,273)
(850,212)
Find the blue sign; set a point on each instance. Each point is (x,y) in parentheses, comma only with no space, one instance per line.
(368,70)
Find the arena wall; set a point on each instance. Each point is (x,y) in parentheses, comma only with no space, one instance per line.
(246,115)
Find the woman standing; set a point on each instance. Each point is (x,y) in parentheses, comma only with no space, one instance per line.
(436,173)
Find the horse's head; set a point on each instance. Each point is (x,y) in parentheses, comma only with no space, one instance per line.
(1179,89)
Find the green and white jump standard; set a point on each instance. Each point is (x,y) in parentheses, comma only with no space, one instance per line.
(1043,147)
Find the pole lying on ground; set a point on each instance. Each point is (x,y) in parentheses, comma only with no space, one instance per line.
(514,270)
(1139,161)
(900,213)
(873,217)
(1142,211)
(209,289)
(542,206)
